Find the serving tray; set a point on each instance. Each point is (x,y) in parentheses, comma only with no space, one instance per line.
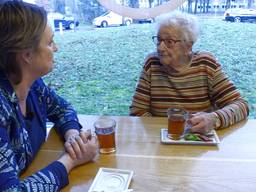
(111,180)
(212,135)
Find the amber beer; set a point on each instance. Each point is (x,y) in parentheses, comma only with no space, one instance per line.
(105,131)
(176,123)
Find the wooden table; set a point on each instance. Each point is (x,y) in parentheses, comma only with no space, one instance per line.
(230,166)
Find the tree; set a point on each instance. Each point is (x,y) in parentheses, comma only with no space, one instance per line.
(228,3)
(59,6)
(207,6)
(90,9)
(250,3)
(190,6)
(203,6)
(134,3)
(195,9)
(150,3)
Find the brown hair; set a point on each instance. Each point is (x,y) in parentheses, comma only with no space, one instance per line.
(21,27)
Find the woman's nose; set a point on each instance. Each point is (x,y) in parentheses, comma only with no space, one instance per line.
(161,46)
(55,48)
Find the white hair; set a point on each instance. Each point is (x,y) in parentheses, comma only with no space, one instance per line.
(185,23)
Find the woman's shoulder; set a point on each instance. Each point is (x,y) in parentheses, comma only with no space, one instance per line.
(39,86)
(38,83)
(206,59)
(151,59)
(153,55)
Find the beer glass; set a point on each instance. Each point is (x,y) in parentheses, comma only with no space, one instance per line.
(105,131)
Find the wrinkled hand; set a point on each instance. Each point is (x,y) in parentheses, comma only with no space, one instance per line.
(201,122)
(76,143)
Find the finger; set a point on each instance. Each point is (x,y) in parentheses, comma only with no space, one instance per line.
(81,144)
(93,145)
(76,147)
(94,140)
(89,131)
(85,136)
(70,150)
(198,128)
(194,120)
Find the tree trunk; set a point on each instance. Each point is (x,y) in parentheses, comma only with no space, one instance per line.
(250,3)
(204,6)
(227,4)
(195,9)
(189,6)
(207,6)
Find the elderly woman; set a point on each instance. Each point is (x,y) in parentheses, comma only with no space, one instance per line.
(177,76)
(26,54)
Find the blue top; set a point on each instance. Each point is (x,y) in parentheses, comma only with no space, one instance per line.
(21,137)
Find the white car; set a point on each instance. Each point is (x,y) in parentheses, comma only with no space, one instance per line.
(111,19)
(240,15)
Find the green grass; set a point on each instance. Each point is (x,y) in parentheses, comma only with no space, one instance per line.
(97,69)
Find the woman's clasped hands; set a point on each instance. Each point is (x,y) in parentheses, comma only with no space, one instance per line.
(81,146)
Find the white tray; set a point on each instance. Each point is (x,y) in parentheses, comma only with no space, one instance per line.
(111,180)
(166,140)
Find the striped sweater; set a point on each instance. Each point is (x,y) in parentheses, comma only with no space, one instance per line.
(200,87)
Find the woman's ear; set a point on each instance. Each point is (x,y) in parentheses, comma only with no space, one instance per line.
(25,57)
(188,47)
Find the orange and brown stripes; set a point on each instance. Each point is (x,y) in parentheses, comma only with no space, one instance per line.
(201,87)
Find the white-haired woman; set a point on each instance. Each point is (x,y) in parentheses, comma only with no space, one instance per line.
(177,76)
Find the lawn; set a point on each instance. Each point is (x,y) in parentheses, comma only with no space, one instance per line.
(97,69)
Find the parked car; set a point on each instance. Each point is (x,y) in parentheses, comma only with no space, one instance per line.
(240,15)
(150,20)
(111,19)
(68,22)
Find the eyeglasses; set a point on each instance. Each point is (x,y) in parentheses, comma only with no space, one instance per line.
(169,43)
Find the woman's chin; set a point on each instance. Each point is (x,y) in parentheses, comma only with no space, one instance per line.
(46,72)
(165,61)
(50,70)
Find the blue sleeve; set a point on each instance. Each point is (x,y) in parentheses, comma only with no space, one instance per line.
(51,178)
(59,111)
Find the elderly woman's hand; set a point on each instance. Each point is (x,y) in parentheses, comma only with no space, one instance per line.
(75,141)
(202,122)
